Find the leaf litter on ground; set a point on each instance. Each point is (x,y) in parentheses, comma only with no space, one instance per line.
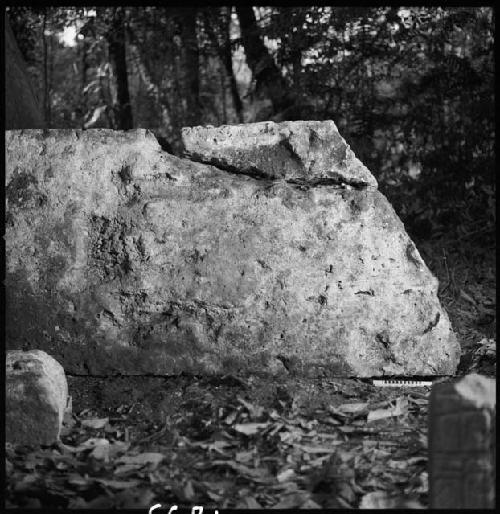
(286,453)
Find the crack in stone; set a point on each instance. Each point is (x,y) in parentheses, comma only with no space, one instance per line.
(335,180)
(251,172)
(369,292)
(433,323)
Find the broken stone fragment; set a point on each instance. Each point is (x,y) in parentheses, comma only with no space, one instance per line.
(462,444)
(307,152)
(36,398)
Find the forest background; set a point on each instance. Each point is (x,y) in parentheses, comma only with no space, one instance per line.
(410,89)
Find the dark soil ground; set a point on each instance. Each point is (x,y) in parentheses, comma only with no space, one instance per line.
(221,442)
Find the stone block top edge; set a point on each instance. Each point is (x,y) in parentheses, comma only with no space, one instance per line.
(478,390)
(471,392)
(302,151)
(61,132)
(258,125)
(92,137)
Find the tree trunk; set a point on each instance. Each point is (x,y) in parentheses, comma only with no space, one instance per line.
(223,97)
(190,53)
(115,37)
(228,61)
(225,52)
(46,85)
(268,78)
(164,101)
(21,105)
(85,67)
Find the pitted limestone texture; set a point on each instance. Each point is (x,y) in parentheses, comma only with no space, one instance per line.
(174,265)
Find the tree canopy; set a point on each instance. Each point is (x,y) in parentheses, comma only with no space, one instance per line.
(411,89)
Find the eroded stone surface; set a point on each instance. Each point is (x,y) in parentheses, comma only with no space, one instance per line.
(36,397)
(303,151)
(121,257)
(462,444)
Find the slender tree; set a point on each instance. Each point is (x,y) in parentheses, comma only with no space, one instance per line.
(22,109)
(268,79)
(46,80)
(115,36)
(222,20)
(187,22)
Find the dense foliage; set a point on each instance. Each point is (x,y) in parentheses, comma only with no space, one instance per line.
(411,89)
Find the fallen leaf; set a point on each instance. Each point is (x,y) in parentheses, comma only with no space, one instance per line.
(244,456)
(397,464)
(101,502)
(384,500)
(378,453)
(134,499)
(421,402)
(416,460)
(296,499)
(330,420)
(345,491)
(143,459)
(352,408)
(345,455)
(356,487)
(96,423)
(90,444)
(254,410)
(79,481)
(465,296)
(318,449)
(249,502)
(399,409)
(219,486)
(118,447)
(118,484)
(261,475)
(217,446)
(277,427)
(348,429)
(31,482)
(185,493)
(68,423)
(231,418)
(214,496)
(101,451)
(377,500)
(285,475)
(64,462)
(250,428)
(310,504)
(318,462)
(423,440)
(423,483)
(125,469)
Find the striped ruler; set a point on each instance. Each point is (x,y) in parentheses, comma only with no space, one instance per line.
(401,382)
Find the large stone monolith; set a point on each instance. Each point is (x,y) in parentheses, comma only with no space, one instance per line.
(123,258)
